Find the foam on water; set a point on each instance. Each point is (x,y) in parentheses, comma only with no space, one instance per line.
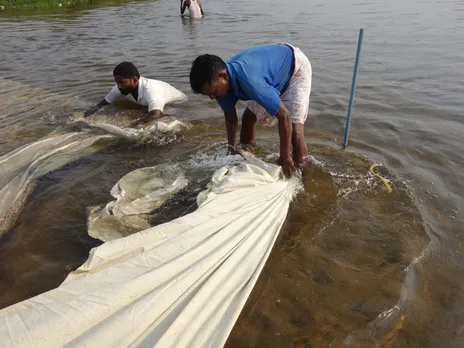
(214,161)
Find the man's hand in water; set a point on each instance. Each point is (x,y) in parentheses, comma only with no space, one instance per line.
(153,115)
(288,166)
(91,111)
(78,126)
(95,108)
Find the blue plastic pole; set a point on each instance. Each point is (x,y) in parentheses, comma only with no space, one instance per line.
(353,88)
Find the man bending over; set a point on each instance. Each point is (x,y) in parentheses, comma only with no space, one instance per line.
(275,79)
(138,89)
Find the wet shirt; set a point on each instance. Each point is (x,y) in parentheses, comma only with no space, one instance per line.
(152,93)
(194,9)
(260,73)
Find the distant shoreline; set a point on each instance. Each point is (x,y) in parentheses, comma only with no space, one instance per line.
(54,6)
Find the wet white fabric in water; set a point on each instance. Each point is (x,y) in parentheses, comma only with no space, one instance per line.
(20,168)
(179,284)
(137,194)
(143,134)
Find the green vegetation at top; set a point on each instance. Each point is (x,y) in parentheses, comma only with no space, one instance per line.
(11,6)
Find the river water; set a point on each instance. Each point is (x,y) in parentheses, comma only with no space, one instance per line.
(355,266)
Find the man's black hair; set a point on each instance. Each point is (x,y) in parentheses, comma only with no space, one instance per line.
(126,69)
(205,69)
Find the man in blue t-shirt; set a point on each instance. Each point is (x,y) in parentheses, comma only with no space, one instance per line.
(275,79)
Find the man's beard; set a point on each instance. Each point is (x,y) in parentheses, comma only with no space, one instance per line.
(125,91)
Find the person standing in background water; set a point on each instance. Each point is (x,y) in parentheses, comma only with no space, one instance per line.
(194,6)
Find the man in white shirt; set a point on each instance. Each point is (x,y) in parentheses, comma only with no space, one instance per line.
(152,93)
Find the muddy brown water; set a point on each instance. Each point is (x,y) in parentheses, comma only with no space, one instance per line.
(355,266)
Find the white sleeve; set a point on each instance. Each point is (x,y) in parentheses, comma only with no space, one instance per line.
(113,95)
(155,99)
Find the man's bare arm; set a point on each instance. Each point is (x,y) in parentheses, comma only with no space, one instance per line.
(285,134)
(231,127)
(201,8)
(183,6)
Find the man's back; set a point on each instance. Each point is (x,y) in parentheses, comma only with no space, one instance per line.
(272,62)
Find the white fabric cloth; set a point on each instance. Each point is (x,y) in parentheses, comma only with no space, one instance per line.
(148,133)
(152,93)
(194,9)
(137,194)
(179,284)
(22,167)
